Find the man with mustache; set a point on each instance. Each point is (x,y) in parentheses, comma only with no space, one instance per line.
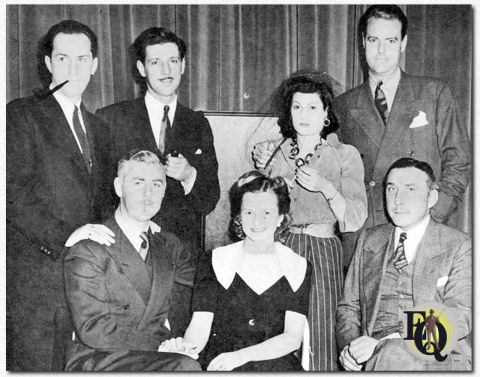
(182,137)
(55,152)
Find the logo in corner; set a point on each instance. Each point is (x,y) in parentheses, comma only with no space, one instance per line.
(430,331)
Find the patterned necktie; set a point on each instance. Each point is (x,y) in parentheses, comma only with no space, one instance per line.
(82,139)
(381,102)
(163,129)
(400,261)
(144,246)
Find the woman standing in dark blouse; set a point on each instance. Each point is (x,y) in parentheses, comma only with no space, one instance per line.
(250,298)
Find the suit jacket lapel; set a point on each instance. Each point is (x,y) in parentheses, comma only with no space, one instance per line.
(366,115)
(57,126)
(404,109)
(425,267)
(375,263)
(130,262)
(163,268)
(141,126)
(179,132)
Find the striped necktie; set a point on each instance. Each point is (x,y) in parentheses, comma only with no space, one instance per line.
(144,246)
(400,260)
(381,102)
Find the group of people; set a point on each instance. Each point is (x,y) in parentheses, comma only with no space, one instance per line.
(104,218)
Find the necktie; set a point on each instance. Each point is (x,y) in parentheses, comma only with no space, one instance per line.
(82,139)
(144,246)
(400,261)
(163,129)
(381,102)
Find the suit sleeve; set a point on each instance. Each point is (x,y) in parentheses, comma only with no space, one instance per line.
(184,265)
(353,190)
(349,311)
(206,189)
(458,289)
(27,211)
(339,108)
(105,201)
(454,149)
(95,321)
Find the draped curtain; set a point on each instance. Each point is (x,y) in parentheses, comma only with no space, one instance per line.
(238,54)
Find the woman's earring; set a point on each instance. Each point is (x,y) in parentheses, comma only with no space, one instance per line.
(326,122)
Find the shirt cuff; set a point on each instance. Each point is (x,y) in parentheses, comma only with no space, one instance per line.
(189,182)
(392,336)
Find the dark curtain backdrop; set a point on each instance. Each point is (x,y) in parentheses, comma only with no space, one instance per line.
(237,54)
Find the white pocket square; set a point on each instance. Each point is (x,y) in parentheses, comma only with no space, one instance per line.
(420,120)
(198,151)
(442,281)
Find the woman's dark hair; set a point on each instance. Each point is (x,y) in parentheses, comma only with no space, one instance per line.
(255,181)
(298,83)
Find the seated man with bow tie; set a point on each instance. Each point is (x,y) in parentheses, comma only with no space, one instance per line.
(119,295)
(397,267)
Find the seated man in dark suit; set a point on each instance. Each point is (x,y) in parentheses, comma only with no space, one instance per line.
(414,262)
(119,295)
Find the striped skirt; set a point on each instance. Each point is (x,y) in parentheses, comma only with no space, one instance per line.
(326,257)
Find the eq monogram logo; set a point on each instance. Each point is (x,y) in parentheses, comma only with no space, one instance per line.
(430,331)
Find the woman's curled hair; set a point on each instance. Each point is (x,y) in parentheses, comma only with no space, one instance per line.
(254,182)
(299,83)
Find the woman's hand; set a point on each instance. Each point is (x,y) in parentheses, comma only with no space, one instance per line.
(96,232)
(261,153)
(178,345)
(311,179)
(226,361)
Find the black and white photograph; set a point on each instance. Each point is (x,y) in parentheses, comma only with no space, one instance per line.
(246,187)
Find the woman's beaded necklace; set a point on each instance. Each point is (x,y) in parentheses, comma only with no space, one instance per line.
(295,150)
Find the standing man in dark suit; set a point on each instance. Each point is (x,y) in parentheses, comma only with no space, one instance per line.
(393,115)
(158,122)
(55,171)
(120,294)
(411,262)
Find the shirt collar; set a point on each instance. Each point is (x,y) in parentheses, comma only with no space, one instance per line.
(132,232)
(389,82)
(65,103)
(155,106)
(414,236)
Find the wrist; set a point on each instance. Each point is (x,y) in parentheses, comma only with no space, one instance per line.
(330,192)
(242,356)
(188,173)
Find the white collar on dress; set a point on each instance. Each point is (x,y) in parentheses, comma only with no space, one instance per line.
(225,263)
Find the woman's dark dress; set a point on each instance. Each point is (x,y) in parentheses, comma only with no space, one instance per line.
(243,318)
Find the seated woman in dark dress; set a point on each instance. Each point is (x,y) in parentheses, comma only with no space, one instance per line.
(250,298)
